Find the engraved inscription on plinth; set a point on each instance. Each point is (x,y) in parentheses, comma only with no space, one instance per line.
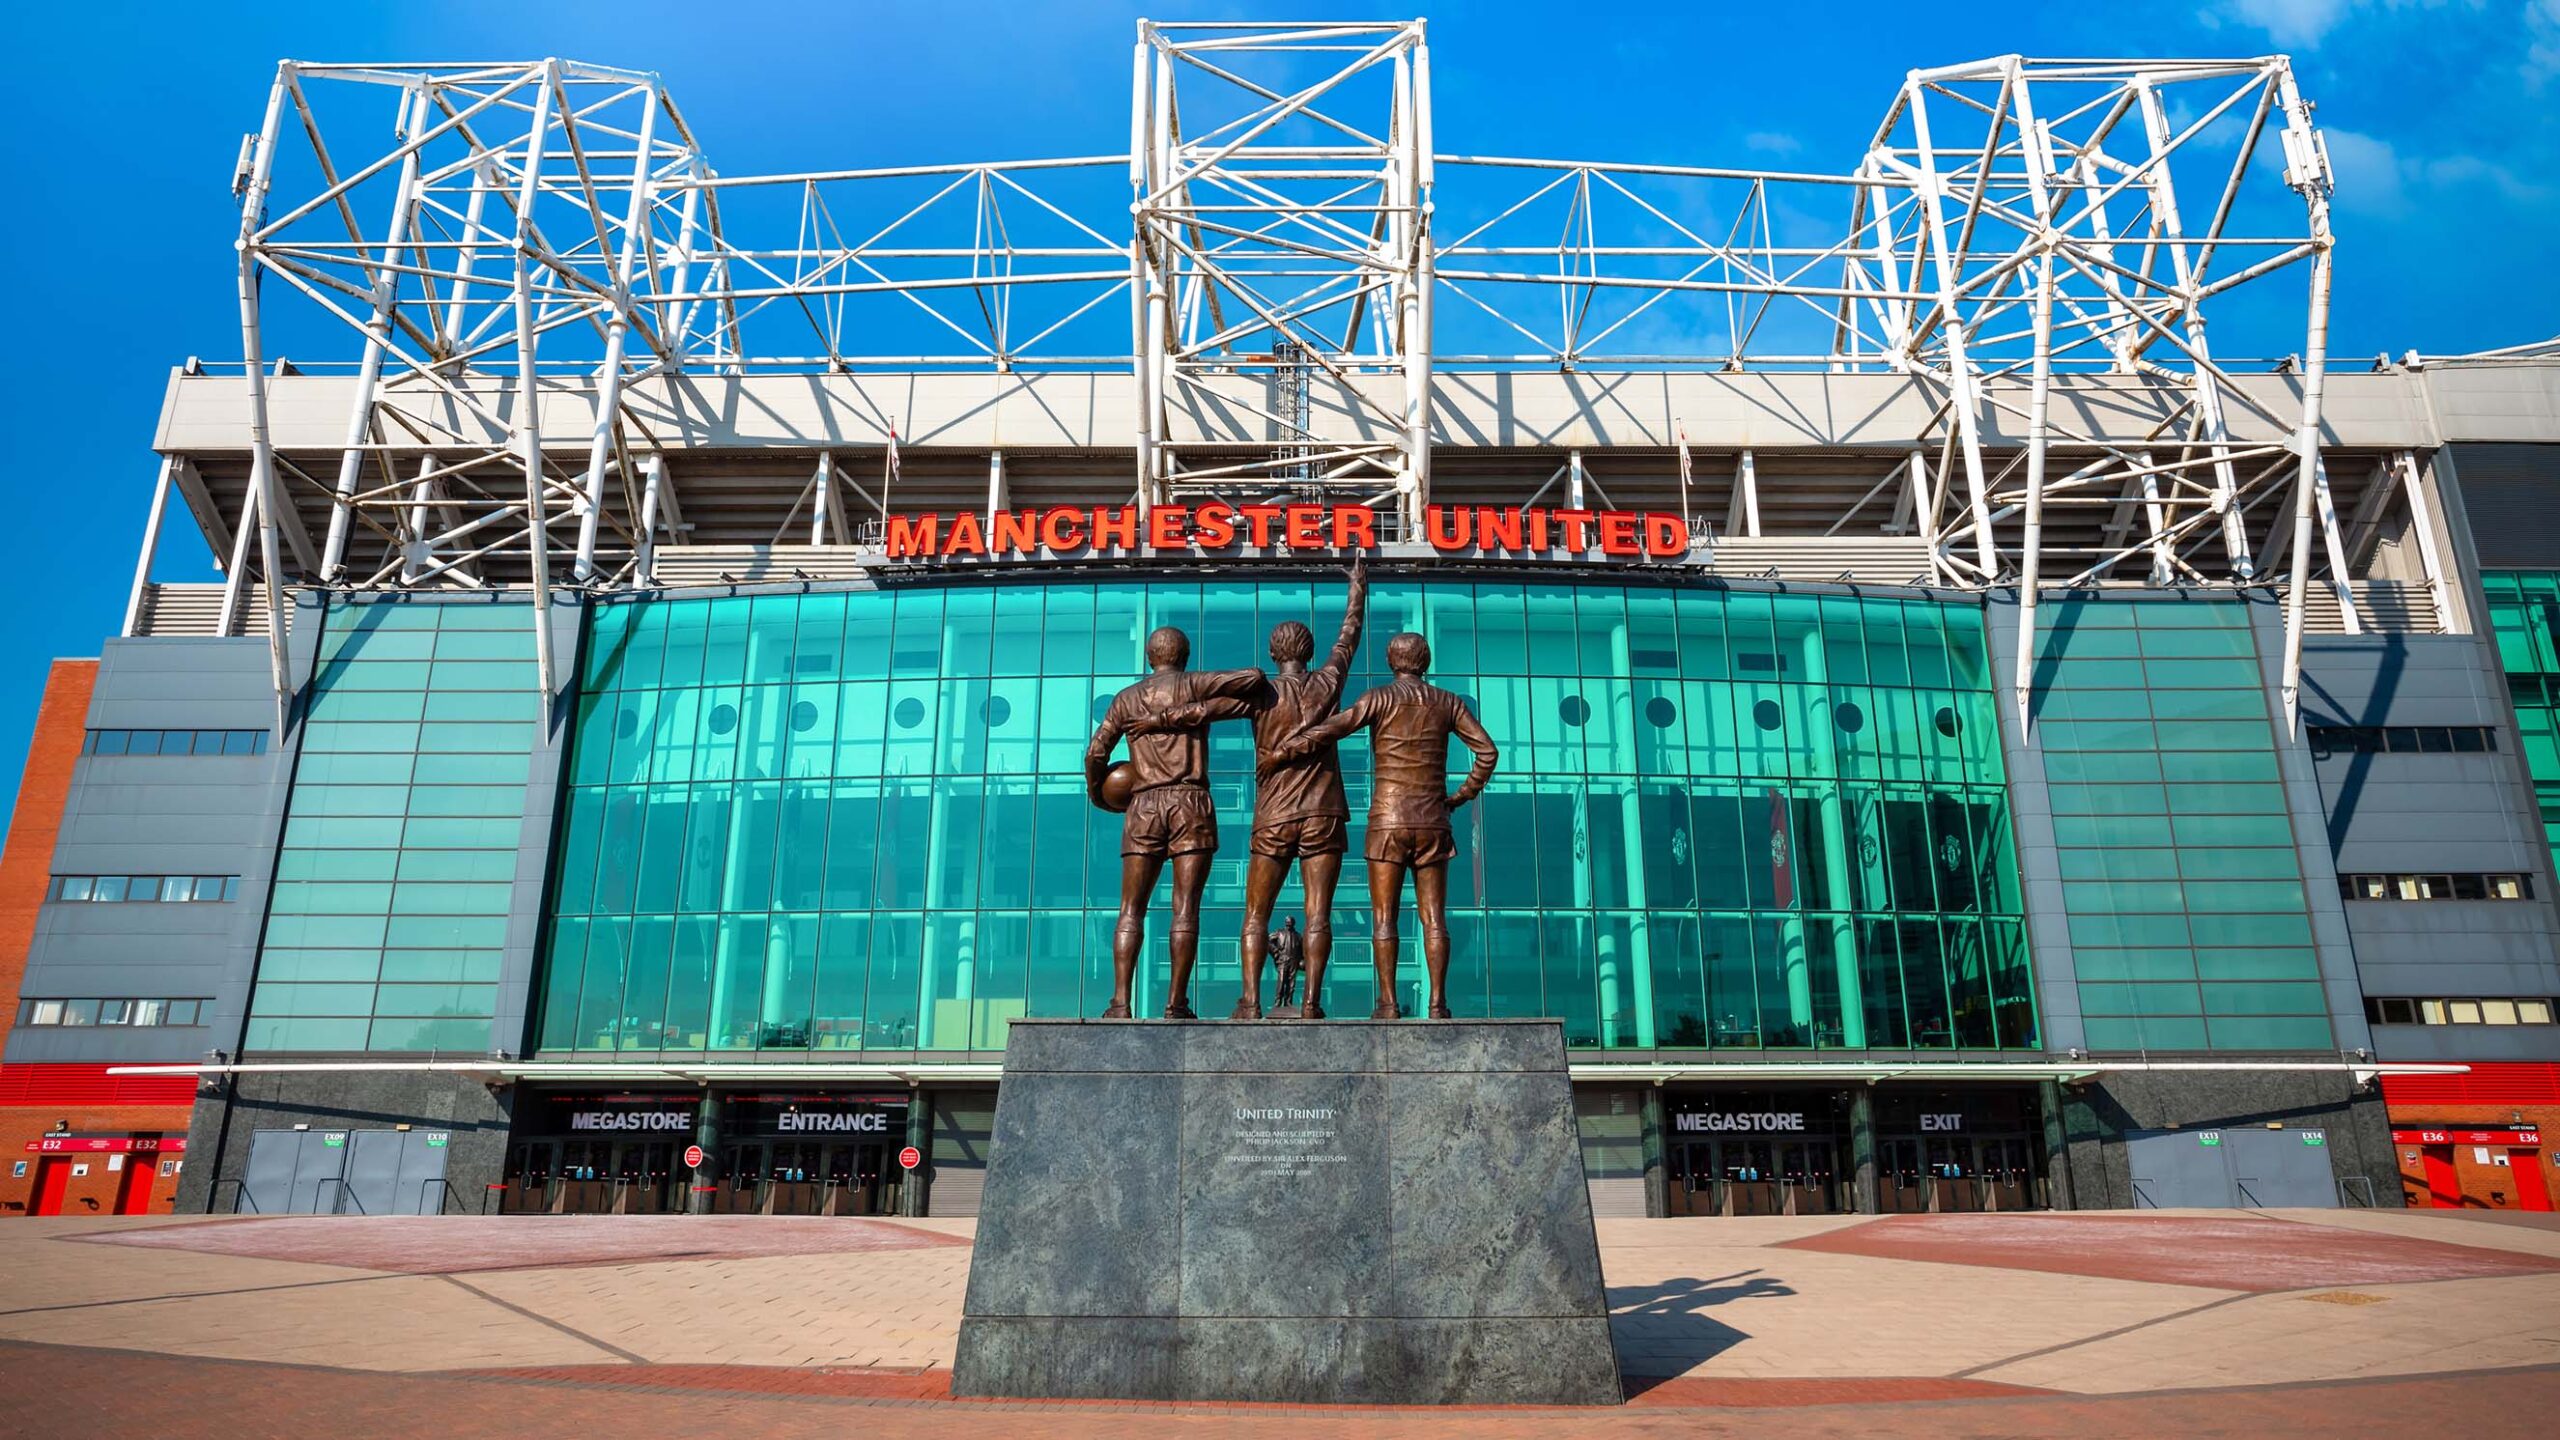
(1353,1212)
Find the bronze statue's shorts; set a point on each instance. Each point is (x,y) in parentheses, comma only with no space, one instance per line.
(1413,848)
(1298,839)
(1169,820)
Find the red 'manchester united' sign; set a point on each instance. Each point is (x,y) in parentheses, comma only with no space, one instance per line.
(1217,527)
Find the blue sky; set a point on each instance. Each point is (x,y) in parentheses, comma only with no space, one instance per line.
(2438,114)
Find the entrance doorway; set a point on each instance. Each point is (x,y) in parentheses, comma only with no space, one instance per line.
(803,1177)
(1754,1175)
(133,1189)
(1955,1174)
(590,1177)
(53,1184)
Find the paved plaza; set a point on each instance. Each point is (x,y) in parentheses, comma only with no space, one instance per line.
(2197,1323)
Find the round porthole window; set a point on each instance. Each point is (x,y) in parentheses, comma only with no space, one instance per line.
(1947,724)
(626,723)
(804,716)
(908,713)
(995,710)
(1660,712)
(724,718)
(1849,718)
(1575,710)
(1766,715)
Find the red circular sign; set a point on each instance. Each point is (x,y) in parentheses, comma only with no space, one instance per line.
(693,1157)
(910,1158)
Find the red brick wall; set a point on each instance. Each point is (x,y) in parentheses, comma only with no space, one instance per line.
(94,1193)
(2494,1096)
(26,862)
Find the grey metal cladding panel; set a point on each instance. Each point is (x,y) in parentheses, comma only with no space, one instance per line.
(128,1044)
(124,831)
(2512,495)
(2496,402)
(2424,979)
(2400,680)
(2466,1043)
(179,684)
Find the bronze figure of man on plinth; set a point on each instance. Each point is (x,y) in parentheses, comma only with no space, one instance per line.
(1409,722)
(1169,815)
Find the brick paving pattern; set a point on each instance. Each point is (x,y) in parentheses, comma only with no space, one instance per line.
(2243,1252)
(2194,1323)
(450,1244)
(64,1391)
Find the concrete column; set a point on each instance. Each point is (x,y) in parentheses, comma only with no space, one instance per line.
(920,1135)
(2057,1145)
(1656,1172)
(706,1133)
(1862,1148)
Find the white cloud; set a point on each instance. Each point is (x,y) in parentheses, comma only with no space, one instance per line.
(1775,143)
(2368,173)
(2374,178)
(2291,22)
(2542,45)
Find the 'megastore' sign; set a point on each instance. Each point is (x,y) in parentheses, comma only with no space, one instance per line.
(1216,528)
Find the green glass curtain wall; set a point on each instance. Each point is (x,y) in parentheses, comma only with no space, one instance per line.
(2190,929)
(389,912)
(856,821)
(2524,614)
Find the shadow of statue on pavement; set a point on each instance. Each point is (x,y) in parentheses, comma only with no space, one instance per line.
(1663,1329)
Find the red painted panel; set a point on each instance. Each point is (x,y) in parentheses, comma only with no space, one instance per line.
(2444,1188)
(28,1084)
(2489,1083)
(53,1181)
(2532,1191)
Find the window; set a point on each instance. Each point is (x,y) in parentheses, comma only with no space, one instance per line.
(2328,740)
(174,742)
(2492,1010)
(109,1012)
(112,889)
(2435,887)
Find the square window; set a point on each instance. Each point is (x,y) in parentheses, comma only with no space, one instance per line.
(2431,1012)
(107,887)
(142,742)
(115,1012)
(150,1012)
(178,887)
(184,1012)
(208,742)
(2462,1012)
(110,742)
(2402,740)
(2399,1011)
(79,1012)
(2435,740)
(2470,739)
(45,1012)
(2533,1012)
(2506,887)
(2497,1012)
(2467,887)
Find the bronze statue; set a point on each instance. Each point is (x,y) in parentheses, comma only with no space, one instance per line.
(1299,812)
(1409,723)
(1169,816)
(1288,958)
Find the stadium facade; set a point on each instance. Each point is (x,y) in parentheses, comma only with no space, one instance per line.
(1968,741)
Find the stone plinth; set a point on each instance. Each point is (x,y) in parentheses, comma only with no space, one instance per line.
(1346,1211)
